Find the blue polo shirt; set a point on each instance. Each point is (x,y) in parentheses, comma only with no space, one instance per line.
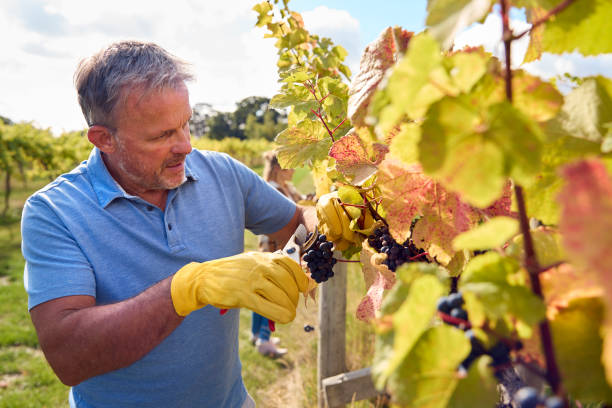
(84,235)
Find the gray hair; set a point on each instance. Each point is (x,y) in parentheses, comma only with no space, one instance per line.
(104,80)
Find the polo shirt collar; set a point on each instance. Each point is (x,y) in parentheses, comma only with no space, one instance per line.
(106,187)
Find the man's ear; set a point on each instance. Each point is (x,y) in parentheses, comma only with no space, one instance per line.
(101,137)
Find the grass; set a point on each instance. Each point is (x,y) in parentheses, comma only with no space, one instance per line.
(26,380)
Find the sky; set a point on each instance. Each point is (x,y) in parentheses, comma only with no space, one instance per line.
(42,42)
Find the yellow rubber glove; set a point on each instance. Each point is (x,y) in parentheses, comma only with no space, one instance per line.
(265,282)
(335,223)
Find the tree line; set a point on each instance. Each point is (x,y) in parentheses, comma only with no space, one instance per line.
(252,119)
(28,152)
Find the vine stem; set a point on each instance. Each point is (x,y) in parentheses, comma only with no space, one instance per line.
(556,10)
(531,262)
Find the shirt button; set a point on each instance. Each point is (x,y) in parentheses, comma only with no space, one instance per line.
(170,227)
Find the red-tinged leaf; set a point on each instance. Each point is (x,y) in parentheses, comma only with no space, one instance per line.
(404,189)
(378,278)
(501,206)
(564,283)
(585,223)
(407,192)
(355,159)
(586,217)
(377,57)
(444,218)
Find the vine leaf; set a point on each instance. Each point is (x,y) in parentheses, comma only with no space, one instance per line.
(503,205)
(586,219)
(404,191)
(492,234)
(408,193)
(428,377)
(535,98)
(586,222)
(578,347)
(376,59)
(478,389)
(419,309)
(446,18)
(356,158)
(558,149)
(377,278)
(405,145)
(473,149)
(583,27)
(547,246)
(563,284)
(487,285)
(587,111)
(418,80)
(445,218)
(302,144)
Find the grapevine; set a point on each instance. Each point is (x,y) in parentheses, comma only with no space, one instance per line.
(481,180)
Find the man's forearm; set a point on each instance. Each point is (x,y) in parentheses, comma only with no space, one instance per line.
(81,340)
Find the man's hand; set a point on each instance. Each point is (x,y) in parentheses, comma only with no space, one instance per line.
(335,222)
(266,283)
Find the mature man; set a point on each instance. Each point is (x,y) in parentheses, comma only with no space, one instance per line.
(130,256)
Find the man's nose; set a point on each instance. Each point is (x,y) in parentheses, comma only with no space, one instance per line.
(183,143)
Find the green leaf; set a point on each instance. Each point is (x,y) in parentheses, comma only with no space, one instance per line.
(584,27)
(472,149)
(576,332)
(298,75)
(588,110)
(519,137)
(262,9)
(447,18)
(537,99)
(302,144)
(404,145)
(559,148)
(475,170)
(349,194)
(410,271)
(383,351)
(467,67)
(340,52)
(487,277)
(419,79)
(478,389)
(414,317)
(547,246)
(492,234)
(293,95)
(427,377)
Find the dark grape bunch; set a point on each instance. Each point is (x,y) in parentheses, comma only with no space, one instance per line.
(528,397)
(397,254)
(452,305)
(320,260)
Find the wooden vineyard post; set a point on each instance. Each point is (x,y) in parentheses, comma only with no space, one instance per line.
(331,353)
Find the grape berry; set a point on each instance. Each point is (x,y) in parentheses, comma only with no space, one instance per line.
(320,260)
(397,254)
(528,397)
(453,313)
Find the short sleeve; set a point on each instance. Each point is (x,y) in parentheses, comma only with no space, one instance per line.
(267,210)
(55,264)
